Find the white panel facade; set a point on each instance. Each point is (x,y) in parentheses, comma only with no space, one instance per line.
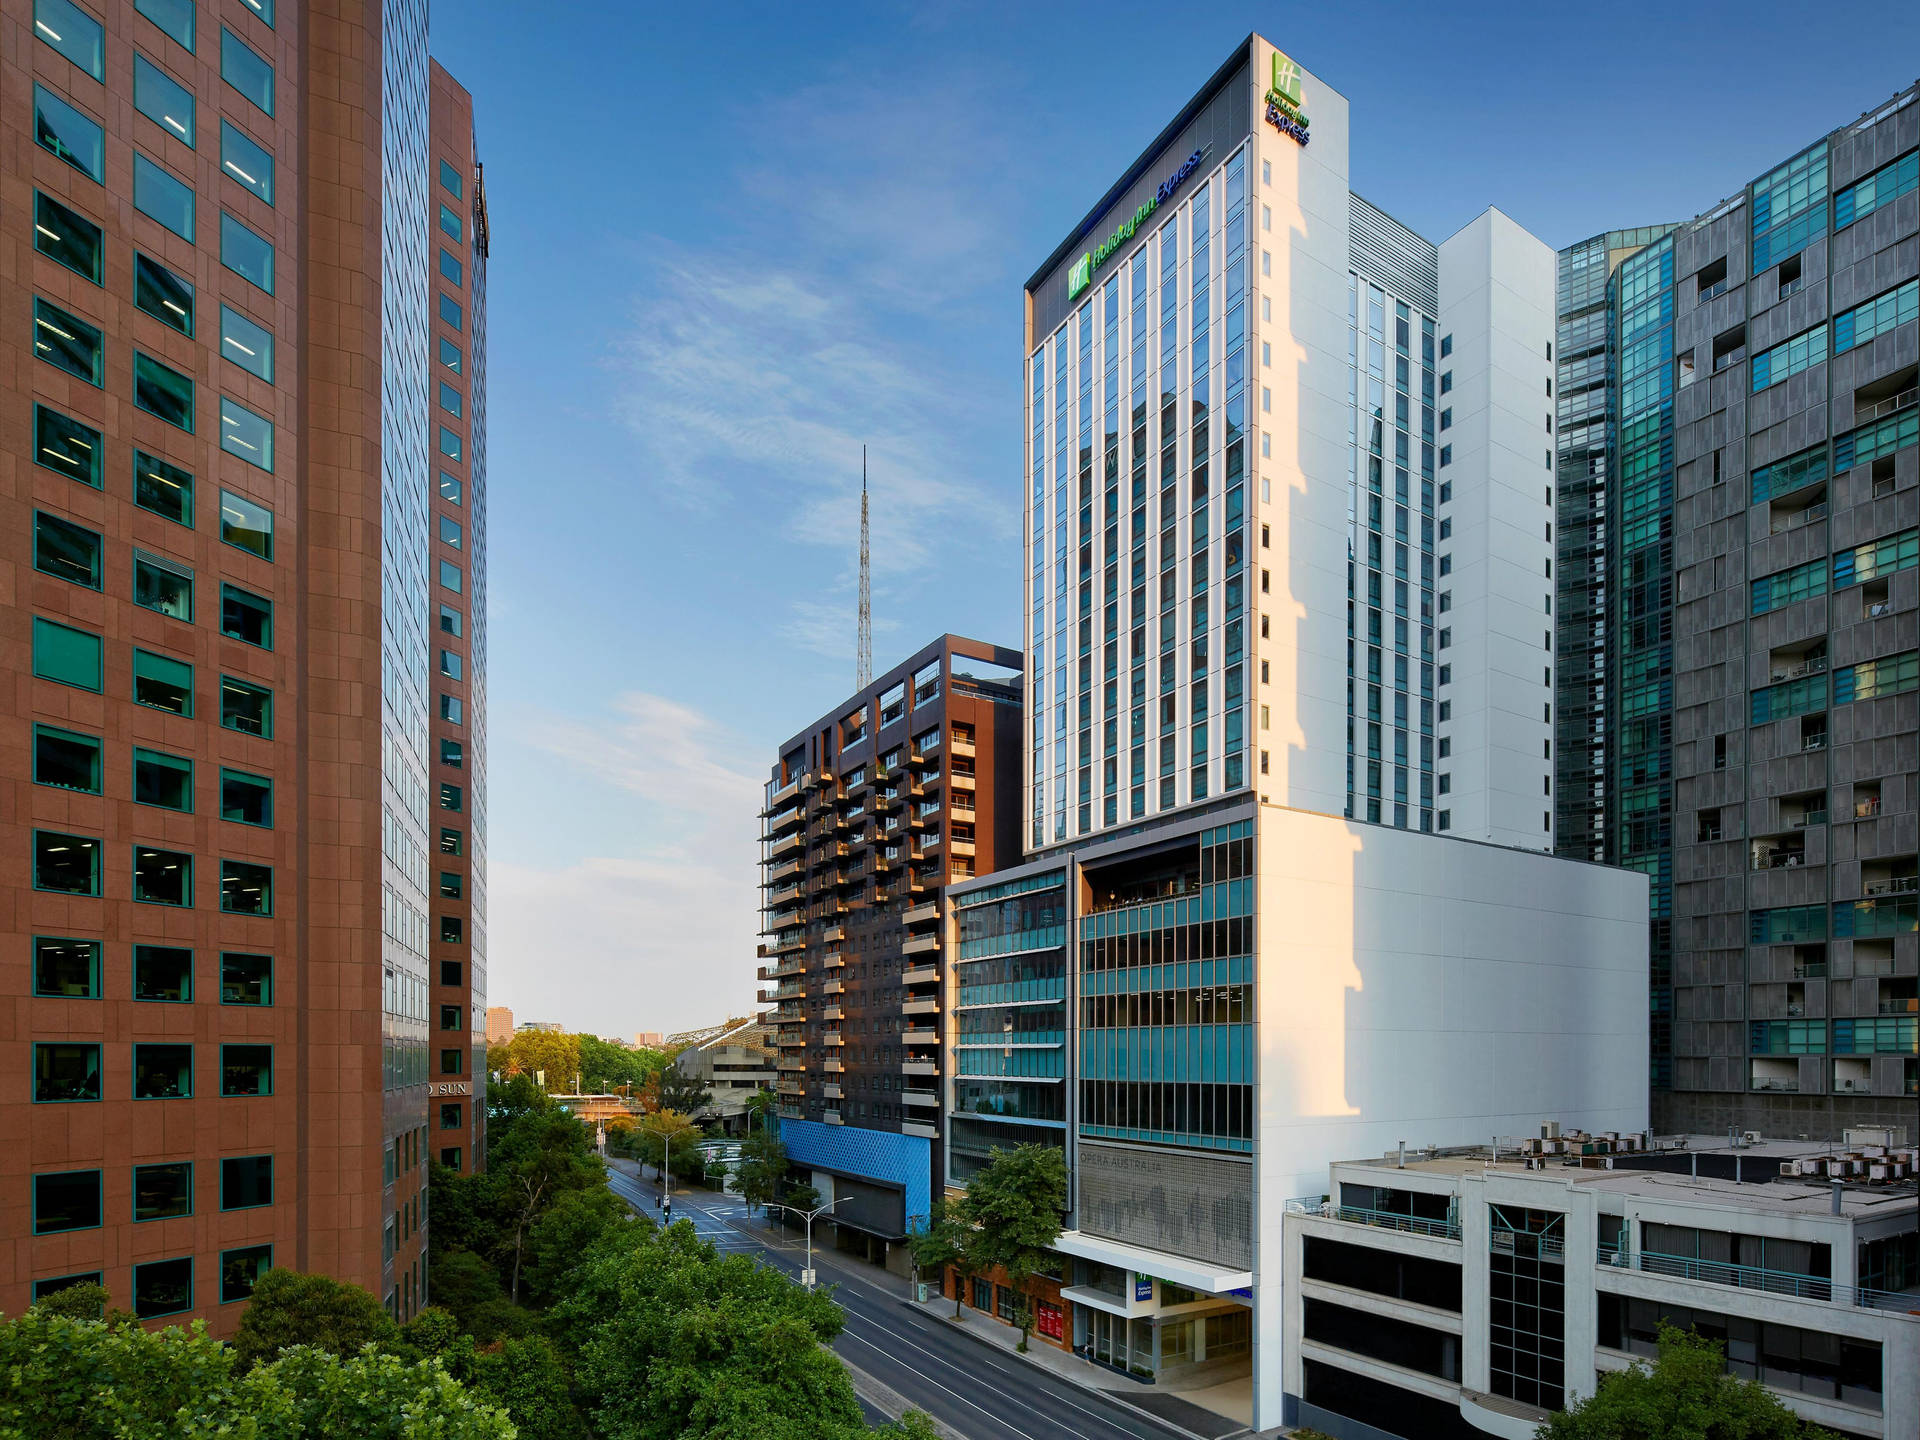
(1496,546)
(1420,988)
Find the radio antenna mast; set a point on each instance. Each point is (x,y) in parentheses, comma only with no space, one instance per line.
(865,663)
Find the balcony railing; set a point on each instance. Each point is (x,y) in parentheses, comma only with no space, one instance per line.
(1863,413)
(1907,1006)
(1775,1083)
(1382,1219)
(1812,665)
(1779,859)
(1893,885)
(1810,817)
(1797,518)
(1753,1277)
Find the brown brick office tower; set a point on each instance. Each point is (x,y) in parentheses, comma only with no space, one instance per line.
(219,587)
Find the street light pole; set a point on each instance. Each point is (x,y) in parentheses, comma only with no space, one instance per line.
(806,1275)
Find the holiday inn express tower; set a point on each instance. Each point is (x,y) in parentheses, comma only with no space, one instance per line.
(1287,772)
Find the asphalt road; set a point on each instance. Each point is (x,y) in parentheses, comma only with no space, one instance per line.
(977,1391)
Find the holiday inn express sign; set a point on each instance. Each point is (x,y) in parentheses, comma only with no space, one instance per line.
(1285,109)
(1081,275)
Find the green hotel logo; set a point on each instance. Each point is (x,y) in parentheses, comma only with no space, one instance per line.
(1080,276)
(1286,78)
(1285,107)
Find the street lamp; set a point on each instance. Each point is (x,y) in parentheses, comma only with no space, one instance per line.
(806,1275)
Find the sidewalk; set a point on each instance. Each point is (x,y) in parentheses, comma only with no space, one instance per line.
(1162,1405)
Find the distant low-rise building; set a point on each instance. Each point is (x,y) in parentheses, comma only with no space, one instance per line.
(731,1061)
(499,1024)
(549,1027)
(648,1040)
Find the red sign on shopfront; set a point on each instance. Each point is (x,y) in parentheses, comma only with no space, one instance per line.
(1050,1320)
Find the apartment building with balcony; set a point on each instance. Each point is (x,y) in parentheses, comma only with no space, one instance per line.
(732,1061)
(1761,626)
(1450,1294)
(217,717)
(871,812)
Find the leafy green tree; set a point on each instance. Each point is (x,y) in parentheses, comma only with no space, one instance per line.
(464,1285)
(672,1340)
(670,1135)
(763,1165)
(290,1308)
(942,1243)
(527,1377)
(569,1228)
(541,1155)
(84,1302)
(552,1055)
(677,1090)
(1014,1204)
(71,1379)
(1686,1394)
(801,1196)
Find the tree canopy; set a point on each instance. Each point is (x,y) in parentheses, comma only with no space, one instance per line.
(1013,1205)
(290,1308)
(1686,1394)
(75,1379)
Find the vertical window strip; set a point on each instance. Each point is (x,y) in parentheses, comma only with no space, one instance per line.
(1881,188)
(1877,316)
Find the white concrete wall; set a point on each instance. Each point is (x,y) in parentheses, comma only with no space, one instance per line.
(1433,990)
(1300,490)
(1497,302)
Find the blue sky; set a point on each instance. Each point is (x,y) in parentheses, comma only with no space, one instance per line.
(731,243)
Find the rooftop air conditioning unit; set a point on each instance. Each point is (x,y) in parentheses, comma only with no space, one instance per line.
(1789,1167)
(1752,1137)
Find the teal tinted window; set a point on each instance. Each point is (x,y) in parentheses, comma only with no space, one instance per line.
(1803,582)
(163,973)
(450,531)
(246,979)
(66,550)
(66,760)
(245,71)
(66,237)
(68,342)
(162,1072)
(63,444)
(450,620)
(450,312)
(159,196)
(240,1270)
(450,399)
(163,780)
(74,33)
(450,488)
(246,799)
(246,344)
(449,354)
(262,8)
(246,434)
(246,616)
(450,268)
(163,1192)
(246,708)
(450,181)
(246,888)
(64,131)
(246,162)
(1883,187)
(163,488)
(174,17)
(450,576)
(162,877)
(162,99)
(1790,357)
(162,585)
(162,683)
(66,864)
(1879,316)
(246,1181)
(163,1287)
(66,655)
(246,1070)
(162,294)
(450,224)
(66,1200)
(245,253)
(450,445)
(246,524)
(63,1073)
(66,968)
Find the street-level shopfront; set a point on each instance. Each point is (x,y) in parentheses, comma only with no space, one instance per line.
(990,1294)
(1154,1329)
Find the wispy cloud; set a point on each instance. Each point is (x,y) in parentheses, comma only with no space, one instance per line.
(663,934)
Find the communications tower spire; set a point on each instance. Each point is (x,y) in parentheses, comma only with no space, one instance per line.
(865,663)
